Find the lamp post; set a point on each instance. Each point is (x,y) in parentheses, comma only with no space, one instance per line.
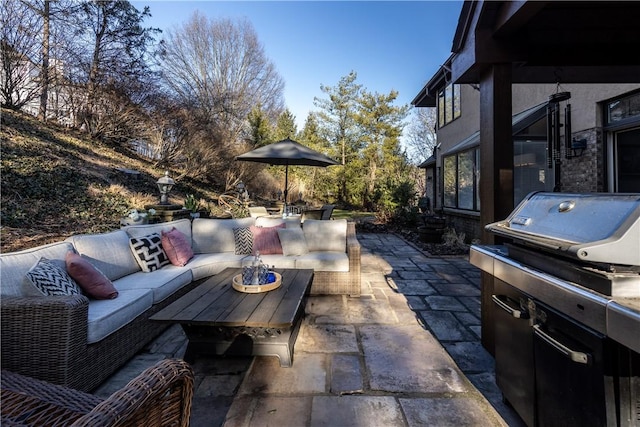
(165,184)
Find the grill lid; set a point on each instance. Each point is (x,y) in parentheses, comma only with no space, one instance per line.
(596,227)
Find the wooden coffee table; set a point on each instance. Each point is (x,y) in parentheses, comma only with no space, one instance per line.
(220,320)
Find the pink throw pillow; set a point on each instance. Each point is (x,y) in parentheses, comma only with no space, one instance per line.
(266,240)
(177,247)
(92,281)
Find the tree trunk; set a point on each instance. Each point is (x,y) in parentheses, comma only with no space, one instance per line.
(44,72)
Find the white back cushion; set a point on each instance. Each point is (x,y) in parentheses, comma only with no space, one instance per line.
(183,225)
(322,235)
(212,235)
(108,252)
(14,265)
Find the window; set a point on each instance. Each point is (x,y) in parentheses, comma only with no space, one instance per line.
(623,109)
(628,161)
(530,168)
(461,180)
(461,176)
(448,104)
(622,124)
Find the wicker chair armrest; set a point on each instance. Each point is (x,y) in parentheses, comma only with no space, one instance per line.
(353,245)
(40,335)
(161,395)
(29,401)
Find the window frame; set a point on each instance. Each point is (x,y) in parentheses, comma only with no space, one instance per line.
(447,199)
(449,104)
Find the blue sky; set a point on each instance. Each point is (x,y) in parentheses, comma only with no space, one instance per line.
(391,45)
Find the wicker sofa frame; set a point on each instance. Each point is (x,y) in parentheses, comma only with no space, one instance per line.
(348,282)
(46,338)
(57,349)
(160,396)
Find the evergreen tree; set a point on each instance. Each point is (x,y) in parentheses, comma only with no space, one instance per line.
(381,125)
(260,131)
(285,126)
(337,125)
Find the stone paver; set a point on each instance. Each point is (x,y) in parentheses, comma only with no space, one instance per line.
(355,411)
(406,353)
(408,359)
(307,375)
(445,326)
(325,338)
(446,412)
(346,377)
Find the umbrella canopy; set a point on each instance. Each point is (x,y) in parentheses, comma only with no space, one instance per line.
(287,152)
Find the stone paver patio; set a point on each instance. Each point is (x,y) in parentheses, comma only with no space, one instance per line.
(406,353)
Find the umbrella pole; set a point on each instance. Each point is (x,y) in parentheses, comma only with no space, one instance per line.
(286,187)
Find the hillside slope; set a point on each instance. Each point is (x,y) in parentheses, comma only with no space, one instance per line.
(56,182)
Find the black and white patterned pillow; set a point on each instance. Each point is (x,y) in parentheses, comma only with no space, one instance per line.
(244,240)
(51,280)
(148,252)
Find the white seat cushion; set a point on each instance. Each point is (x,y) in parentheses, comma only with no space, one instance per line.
(204,265)
(108,315)
(163,282)
(324,261)
(280,261)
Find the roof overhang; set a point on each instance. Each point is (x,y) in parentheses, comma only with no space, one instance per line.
(428,95)
(549,41)
(430,162)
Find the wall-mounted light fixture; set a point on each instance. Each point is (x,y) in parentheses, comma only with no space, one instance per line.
(577,147)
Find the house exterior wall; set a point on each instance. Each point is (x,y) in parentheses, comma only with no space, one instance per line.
(585,173)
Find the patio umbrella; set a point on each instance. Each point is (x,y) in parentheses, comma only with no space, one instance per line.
(287,152)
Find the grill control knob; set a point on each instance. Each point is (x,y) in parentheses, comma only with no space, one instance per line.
(566,206)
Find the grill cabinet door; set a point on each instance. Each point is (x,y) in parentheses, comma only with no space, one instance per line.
(514,350)
(569,372)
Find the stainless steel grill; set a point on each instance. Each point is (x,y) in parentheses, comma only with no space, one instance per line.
(568,279)
(595,228)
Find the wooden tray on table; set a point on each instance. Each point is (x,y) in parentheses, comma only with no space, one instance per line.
(255,289)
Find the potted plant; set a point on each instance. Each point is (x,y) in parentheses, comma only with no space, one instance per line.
(192,204)
(135,217)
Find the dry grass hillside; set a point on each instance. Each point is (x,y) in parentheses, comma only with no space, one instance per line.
(56,182)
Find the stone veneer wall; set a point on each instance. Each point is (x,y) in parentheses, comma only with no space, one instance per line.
(464,223)
(585,174)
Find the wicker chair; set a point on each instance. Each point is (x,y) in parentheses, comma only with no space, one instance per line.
(159,396)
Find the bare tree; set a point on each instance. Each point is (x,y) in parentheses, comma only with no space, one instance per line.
(219,68)
(44,69)
(112,48)
(421,134)
(20,52)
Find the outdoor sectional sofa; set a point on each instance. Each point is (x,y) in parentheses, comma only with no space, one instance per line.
(78,342)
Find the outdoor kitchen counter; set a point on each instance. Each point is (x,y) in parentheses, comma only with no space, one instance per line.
(619,317)
(623,322)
